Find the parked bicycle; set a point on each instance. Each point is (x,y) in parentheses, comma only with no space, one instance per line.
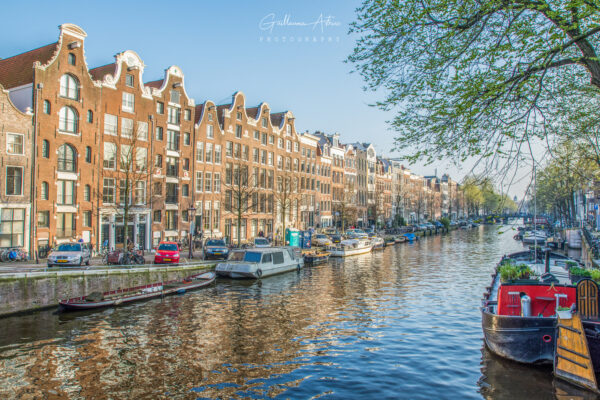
(13,254)
(124,257)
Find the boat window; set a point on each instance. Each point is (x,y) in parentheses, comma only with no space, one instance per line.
(266,258)
(252,256)
(278,258)
(236,256)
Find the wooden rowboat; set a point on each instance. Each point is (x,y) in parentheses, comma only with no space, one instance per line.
(145,292)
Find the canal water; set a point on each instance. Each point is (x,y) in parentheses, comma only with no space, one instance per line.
(400,323)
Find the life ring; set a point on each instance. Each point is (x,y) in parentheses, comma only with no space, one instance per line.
(259,272)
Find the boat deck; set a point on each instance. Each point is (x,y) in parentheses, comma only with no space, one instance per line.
(557,268)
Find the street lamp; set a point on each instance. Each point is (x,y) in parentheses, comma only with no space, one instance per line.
(191,212)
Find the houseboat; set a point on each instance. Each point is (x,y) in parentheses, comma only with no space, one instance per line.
(519,308)
(256,263)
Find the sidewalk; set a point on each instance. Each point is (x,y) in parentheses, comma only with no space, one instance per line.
(94,262)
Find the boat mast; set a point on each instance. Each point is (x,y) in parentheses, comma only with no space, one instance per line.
(535,211)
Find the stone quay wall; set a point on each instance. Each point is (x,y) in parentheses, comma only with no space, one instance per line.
(25,292)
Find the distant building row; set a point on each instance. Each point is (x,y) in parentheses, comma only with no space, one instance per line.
(98,154)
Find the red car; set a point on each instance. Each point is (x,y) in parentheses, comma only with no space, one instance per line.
(167,253)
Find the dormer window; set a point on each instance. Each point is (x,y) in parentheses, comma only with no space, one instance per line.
(71,58)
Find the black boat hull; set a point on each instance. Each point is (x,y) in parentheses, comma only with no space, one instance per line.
(528,340)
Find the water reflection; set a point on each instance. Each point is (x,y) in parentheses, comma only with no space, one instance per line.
(399,323)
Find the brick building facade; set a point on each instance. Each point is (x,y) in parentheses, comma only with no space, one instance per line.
(101,155)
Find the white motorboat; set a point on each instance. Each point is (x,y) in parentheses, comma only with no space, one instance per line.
(533,237)
(256,263)
(377,242)
(351,247)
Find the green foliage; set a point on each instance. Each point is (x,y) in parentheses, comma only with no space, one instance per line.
(595,275)
(578,271)
(569,170)
(570,263)
(477,78)
(510,272)
(445,221)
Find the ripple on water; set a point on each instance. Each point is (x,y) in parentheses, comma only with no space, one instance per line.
(402,323)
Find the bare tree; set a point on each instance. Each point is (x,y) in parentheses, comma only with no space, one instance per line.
(126,164)
(346,207)
(240,190)
(286,195)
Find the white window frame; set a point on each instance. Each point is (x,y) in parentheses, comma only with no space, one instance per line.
(8,143)
(66,125)
(128,102)
(69,87)
(110,128)
(126,127)
(114,159)
(6,179)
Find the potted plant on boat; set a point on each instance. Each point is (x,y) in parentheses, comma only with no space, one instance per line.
(577,273)
(511,273)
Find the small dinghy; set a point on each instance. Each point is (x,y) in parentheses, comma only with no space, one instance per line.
(400,239)
(315,258)
(129,295)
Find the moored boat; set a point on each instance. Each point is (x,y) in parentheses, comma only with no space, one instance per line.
(410,237)
(535,237)
(256,263)
(519,315)
(145,292)
(317,257)
(351,247)
(401,239)
(377,242)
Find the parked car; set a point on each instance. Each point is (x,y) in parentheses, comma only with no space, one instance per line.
(438,224)
(167,253)
(261,242)
(321,240)
(215,249)
(69,254)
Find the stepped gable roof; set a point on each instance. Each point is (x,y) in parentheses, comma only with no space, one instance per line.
(199,109)
(99,73)
(18,70)
(155,84)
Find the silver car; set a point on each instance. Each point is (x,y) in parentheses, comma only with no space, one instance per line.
(69,254)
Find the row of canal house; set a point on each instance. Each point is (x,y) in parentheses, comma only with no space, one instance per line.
(78,144)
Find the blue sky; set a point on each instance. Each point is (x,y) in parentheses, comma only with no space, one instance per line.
(221,48)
